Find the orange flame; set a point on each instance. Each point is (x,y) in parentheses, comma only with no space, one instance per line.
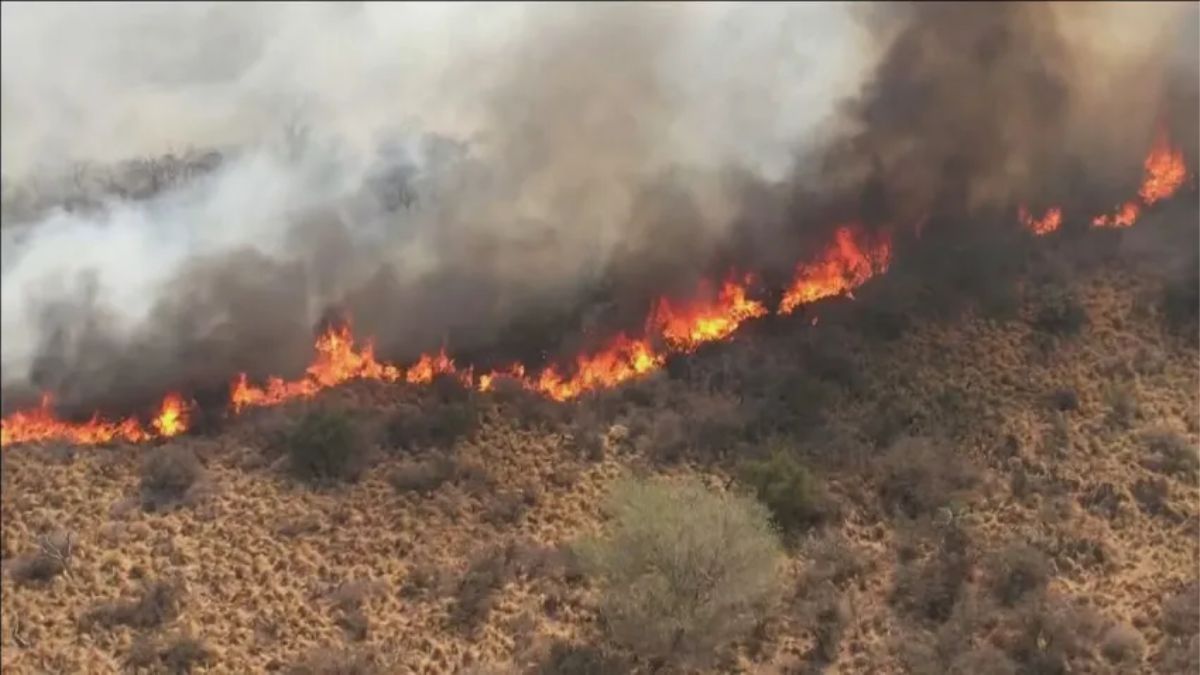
(847,264)
(685,328)
(1125,216)
(622,360)
(1047,224)
(42,424)
(1165,172)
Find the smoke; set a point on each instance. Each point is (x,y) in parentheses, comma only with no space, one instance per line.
(503,178)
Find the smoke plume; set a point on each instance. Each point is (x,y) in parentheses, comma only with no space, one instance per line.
(511,180)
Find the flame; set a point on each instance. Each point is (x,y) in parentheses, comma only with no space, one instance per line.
(1166,171)
(423,371)
(515,371)
(1125,216)
(848,263)
(1047,224)
(42,424)
(622,360)
(172,417)
(686,327)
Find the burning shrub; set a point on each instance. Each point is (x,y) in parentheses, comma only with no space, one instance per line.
(919,476)
(685,570)
(1059,312)
(796,499)
(168,475)
(1017,571)
(326,445)
(157,604)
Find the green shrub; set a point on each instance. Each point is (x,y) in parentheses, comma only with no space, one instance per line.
(797,500)
(1017,570)
(326,445)
(685,570)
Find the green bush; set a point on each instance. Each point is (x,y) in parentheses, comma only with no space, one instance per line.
(326,445)
(797,500)
(685,570)
(1059,313)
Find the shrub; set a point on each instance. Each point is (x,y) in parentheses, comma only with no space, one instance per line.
(797,500)
(1122,400)
(423,476)
(168,475)
(1064,399)
(1122,643)
(334,662)
(919,476)
(52,558)
(1171,452)
(1050,634)
(1017,570)
(685,570)
(181,654)
(1059,312)
(489,571)
(1181,612)
(931,590)
(437,424)
(569,659)
(325,446)
(1181,300)
(157,603)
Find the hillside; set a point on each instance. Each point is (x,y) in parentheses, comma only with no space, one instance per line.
(999,491)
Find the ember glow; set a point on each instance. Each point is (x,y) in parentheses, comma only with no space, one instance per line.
(846,264)
(672,326)
(1045,225)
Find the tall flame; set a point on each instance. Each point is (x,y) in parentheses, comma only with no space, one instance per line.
(845,265)
(685,327)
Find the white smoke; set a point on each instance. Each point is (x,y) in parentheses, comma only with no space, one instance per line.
(567,112)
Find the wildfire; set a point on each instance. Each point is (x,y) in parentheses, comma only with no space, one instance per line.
(685,328)
(848,263)
(1125,216)
(850,260)
(1045,225)
(42,424)
(622,360)
(1165,172)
